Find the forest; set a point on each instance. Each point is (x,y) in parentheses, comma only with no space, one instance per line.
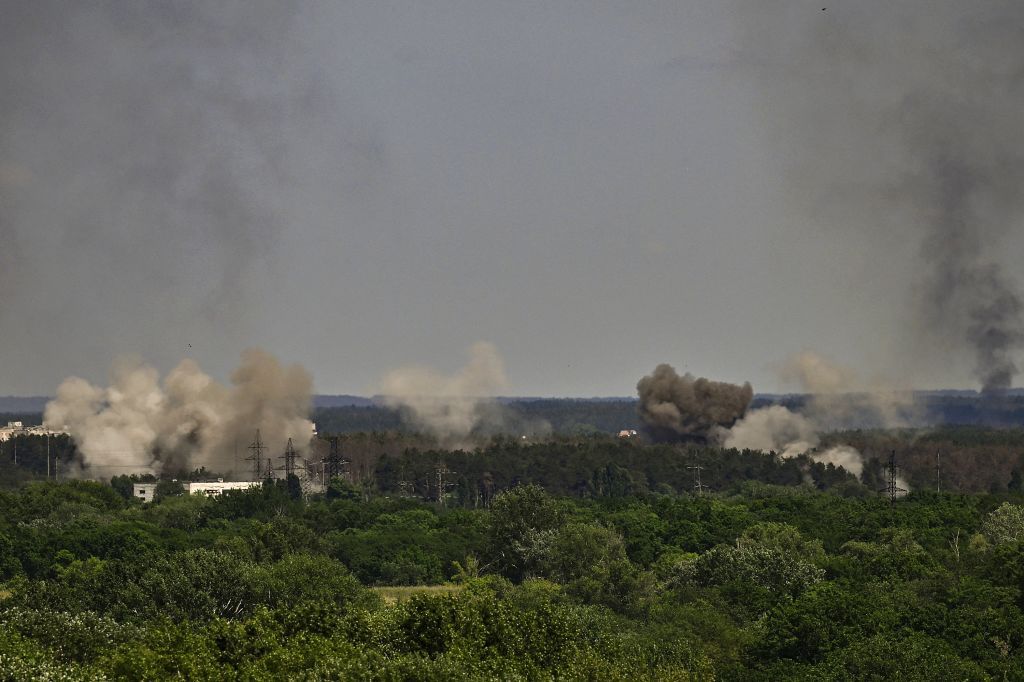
(566,567)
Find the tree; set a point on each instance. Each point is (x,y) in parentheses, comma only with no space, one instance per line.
(166,489)
(1005,524)
(522,525)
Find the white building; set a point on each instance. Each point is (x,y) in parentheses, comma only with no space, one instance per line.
(144,491)
(19,429)
(214,488)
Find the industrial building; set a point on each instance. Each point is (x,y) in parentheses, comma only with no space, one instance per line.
(144,491)
(19,429)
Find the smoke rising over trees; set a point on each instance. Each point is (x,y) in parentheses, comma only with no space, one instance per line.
(142,424)
(900,119)
(675,407)
(449,407)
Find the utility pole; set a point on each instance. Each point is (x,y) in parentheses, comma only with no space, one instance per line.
(48,456)
(938,472)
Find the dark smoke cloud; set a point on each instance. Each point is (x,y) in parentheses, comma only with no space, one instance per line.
(675,408)
(153,157)
(904,118)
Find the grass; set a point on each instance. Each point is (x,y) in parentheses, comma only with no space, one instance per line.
(394,595)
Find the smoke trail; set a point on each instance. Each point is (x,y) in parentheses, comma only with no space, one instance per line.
(675,408)
(140,425)
(450,407)
(901,114)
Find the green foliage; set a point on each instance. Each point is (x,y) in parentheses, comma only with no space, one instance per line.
(765,582)
(166,489)
(1005,524)
(522,525)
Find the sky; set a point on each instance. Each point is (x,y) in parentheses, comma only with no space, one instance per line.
(593,187)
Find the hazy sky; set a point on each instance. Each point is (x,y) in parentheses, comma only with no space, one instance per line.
(594,187)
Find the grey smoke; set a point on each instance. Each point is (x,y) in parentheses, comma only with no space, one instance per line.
(140,424)
(155,156)
(837,399)
(449,406)
(902,118)
(772,429)
(675,407)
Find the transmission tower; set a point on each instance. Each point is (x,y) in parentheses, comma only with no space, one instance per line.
(256,457)
(405,486)
(289,460)
(892,488)
(697,485)
(335,464)
(441,471)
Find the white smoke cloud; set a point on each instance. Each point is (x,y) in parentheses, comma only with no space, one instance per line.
(837,400)
(139,424)
(842,456)
(772,429)
(449,406)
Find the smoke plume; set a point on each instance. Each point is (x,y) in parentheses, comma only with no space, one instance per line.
(675,408)
(176,145)
(901,117)
(837,400)
(772,429)
(139,424)
(840,399)
(449,406)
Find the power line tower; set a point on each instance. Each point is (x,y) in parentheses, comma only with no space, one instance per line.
(289,460)
(335,464)
(892,488)
(441,471)
(697,485)
(405,486)
(256,457)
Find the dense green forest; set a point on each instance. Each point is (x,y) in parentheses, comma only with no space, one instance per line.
(572,557)
(760,581)
(574,417)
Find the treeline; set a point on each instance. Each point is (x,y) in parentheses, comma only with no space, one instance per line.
(594,468)
(962,459)
(955,459)
(558,416)
(575,417)
(778,582)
